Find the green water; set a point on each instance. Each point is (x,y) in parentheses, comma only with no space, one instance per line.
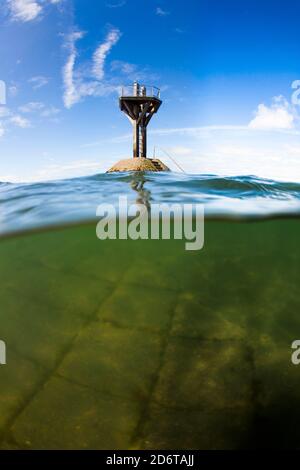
(142,345)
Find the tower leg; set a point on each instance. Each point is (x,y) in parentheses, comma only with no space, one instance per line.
(136,150)
(144,141)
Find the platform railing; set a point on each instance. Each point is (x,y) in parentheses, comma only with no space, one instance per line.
(139,90)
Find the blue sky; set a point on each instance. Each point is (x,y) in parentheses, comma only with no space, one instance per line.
(226,70)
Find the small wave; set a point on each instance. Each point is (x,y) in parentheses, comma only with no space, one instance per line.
(59,202)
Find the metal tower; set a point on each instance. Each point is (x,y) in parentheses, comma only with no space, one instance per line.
(139,103)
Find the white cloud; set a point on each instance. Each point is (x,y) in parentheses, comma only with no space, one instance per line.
(102,51)
(28,10)
(31,107)
(20,121)
(24,10)
(40,108)
(38,81)
(277,116)
(10,119)
(76,86)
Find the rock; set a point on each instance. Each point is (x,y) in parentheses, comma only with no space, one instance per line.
(138,164)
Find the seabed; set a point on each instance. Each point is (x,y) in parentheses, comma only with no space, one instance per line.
(141,345)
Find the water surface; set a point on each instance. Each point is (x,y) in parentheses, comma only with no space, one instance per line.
(140,344)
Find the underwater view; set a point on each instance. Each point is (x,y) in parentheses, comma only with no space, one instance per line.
(123,344)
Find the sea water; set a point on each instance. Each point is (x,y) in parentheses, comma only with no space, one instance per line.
(140,344)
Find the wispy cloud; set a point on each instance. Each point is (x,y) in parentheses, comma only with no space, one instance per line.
(36,107)
(116,3)
(123,67)
(10,119)
(19,118)
(38,81)
(160,12)
(102,51)
(199,133)
(31,107)
(49,112)
(132,72)
(71,94)
(77,86)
